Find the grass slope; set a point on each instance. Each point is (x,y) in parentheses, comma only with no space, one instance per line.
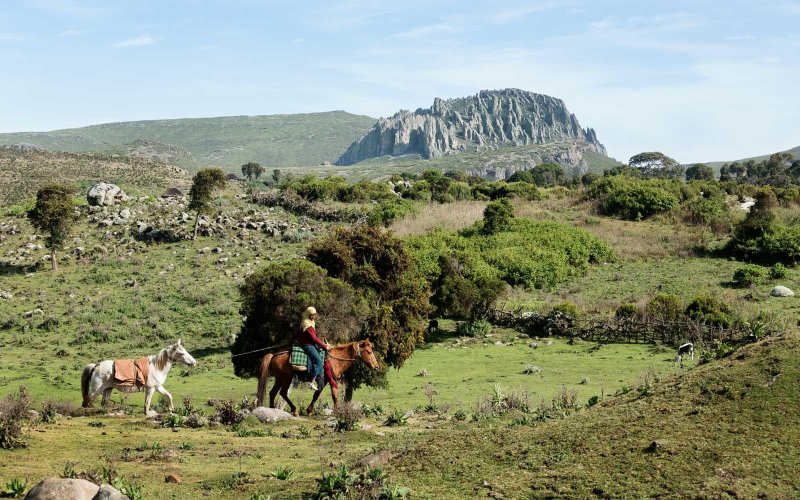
(729,428)
(275,141)
(23,172)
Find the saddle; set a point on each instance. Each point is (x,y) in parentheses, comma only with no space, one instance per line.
(131,373)
(299,361)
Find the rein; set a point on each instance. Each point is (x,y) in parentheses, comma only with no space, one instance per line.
(358,354)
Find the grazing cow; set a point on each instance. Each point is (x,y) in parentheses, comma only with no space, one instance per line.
(683,350)
(433,326)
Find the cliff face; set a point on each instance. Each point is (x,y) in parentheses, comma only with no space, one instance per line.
(487,120)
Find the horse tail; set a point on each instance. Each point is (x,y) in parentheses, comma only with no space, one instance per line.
(263,377)
(86,377)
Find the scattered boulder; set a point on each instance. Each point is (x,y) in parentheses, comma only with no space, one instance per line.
(125,213)
(6,295)
(781,291)
(172,478)
(103,194)
(204,250)
(29,314)
(377,459)
(73,489)
(271,415)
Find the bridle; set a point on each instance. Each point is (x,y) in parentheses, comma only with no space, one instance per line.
(357,347)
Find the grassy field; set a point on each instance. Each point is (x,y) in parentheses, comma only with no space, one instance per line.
(275,141)
(722,429)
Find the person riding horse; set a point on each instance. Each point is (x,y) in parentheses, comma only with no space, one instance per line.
(308,340)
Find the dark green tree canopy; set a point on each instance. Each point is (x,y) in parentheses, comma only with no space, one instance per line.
(699,172)
(203,186)
(252,170)
(379,267)
(273,301)
(53,215)
(542,175)
(657,165)
(497,216)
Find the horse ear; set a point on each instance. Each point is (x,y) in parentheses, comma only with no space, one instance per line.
(179,342)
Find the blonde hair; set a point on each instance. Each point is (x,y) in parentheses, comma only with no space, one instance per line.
(307,321)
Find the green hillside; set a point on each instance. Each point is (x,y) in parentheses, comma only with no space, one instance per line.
(717,164)
(272,140)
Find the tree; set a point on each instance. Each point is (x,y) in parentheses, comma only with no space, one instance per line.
(657,165)
(379,267)
(203,186)
(53,215)
(699,172)
(251,169)
(466,287)
(276,175)
(273,299)
(497,216)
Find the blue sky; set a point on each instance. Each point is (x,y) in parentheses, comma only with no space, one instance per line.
(699,80)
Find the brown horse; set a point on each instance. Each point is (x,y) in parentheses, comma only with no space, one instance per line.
(341,358)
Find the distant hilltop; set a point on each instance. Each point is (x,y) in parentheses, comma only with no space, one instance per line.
(488,120)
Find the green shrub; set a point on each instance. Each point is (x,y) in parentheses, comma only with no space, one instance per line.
(391,210)
(15,488)
(632,199)
(627,311)
(778,271)
(664,307)
(396,418)
(711,212)
(710,310)
(477,328)
(347,416)
(14,413)
(567,309)
(749,275)
(466,288)
(497,216)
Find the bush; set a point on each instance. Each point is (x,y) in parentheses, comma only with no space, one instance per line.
(389,211)
(778,271)
(14,413)
(347,416)
(466,288)
(396,418)
(712,212)
(710,310)
(631,199)
(567,310)
(477,328)
(497,216)
(228,413)
(273,299)
(368,484)
(749,275)
(627,311)
(664,307)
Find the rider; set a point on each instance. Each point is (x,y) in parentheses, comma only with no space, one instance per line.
(308,340)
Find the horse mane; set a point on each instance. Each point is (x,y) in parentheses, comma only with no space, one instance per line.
(161,358)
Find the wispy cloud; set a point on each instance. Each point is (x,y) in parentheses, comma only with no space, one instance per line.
(140,41)
(427,30)
(298,40)
(72,33)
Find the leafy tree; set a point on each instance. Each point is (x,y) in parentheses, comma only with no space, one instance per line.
(379,267)
(699,172)
(548,174)
(467,287)
(438,184)
(657,165)
(251,169)
(497,216)
(203,186)
(53,215)
(276,175)
(590,178)
(273,299)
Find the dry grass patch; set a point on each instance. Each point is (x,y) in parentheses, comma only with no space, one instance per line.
(448,216)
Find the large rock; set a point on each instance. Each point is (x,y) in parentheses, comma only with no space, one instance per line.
(73,489)
(105,194)
(377,459)
(487,120)
(270,415)
(781,291)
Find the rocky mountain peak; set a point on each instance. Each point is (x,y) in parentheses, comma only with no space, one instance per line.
(489,119)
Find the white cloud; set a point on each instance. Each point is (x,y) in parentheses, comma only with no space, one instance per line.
(298,40)
(427,30)
(72,33)
(140,41)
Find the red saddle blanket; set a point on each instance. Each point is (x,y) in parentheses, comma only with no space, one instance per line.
(131,372)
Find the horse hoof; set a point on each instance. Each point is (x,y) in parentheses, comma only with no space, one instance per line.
(295,414)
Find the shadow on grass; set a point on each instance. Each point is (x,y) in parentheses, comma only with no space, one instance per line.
(14,269)
(205,352)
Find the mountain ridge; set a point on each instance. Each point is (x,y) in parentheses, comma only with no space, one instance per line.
(489,119)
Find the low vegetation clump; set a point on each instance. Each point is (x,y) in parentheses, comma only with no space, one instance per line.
(761,235)
(477,328)
(532,254)
(632,199)
(347,415)
(14,414)
(710,310)
(750,275)
(370,484)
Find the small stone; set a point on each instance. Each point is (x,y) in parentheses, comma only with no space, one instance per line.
(6,295)
(533,345)
(204,250)
(781,291)
(172,478)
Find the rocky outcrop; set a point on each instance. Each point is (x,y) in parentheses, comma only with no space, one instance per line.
(73,489)
(488,120)
(105,194)
(503,164)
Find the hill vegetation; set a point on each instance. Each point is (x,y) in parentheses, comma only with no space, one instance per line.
(23,171)
(272,140)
